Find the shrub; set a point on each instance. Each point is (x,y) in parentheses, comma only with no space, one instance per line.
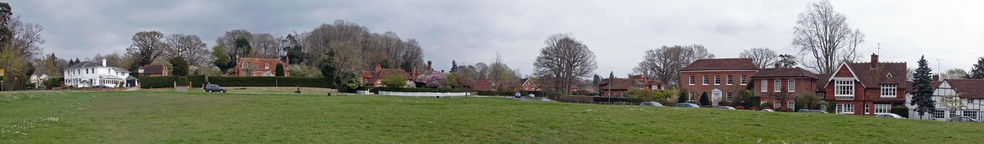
(395,81)
(683,96)
(831,106)
(615,99)
(180,66)
(807,101)
(662,96)
(704,100)
(496,93)
(279,70)
(754,101)
(416,89)
(197,81)
(900,110)
(784,109)
(53,82)
(641,94)
(739,107)
(157,81)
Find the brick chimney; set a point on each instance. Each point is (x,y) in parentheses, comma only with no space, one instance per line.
(778,65)
(874,61)
(429,66)
(936,78)
(378,67)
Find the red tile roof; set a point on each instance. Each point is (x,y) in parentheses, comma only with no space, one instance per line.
(784,72)
(154,69)
(967,88)
(822,80)
(721,64)
(886,73)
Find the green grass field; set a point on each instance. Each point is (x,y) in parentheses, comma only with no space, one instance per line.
(173,117)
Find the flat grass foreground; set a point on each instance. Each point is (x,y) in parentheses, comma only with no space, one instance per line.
(196,117)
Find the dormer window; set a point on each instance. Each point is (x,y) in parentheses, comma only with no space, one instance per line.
(245,65)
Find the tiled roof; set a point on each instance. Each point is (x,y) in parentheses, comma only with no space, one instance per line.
(481,85)
(822,80)
(721,64)
(620,83)
(967,88)
(154,69)
(886,73)
(784,72)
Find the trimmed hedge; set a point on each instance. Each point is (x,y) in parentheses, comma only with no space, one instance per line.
(498,93)
(157,81)
(197,81)
(270,81)
(615,99)
(416,89)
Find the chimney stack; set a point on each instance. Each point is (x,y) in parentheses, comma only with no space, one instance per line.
(936,78)
(429,66)
(378,67)
(104,61)
(874,60)
(778,65)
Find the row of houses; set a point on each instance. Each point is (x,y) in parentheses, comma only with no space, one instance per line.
(862,88)
(857,88)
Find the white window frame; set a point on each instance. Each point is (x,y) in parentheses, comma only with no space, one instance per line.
(743,80)
(844,88)
(705,80)
(692,80)
(729,82)
(778,85)
(790,104)
(845,109)
(889,91)
(765,85)
(717,80)
(728,97)
(792,85)
(971,114)
(691,97)
(883,108)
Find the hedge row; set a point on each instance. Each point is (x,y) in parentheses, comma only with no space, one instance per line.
(198,81)
(270,81)
(416,90)
(615,99)
(157,81)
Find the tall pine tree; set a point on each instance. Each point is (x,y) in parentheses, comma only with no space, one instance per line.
(978,71)
(923,97)
(454,66)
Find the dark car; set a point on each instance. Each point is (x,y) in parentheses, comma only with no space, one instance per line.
(686,105)
(962,119)
(214,88)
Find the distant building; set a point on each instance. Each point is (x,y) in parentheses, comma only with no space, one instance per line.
(258,67)
(481,85)
(376,76)
(954,97)
(153,70)
(719,78)
(780,86)
(618,86)
(527,84)
(91,74)
(867,88)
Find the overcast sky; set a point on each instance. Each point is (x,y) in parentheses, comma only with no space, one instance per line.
(472,31)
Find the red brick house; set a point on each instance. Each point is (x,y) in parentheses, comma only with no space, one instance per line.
(780,86)
(864,88)
(618,86)
(527,84)
(154,70)
(376,76)
(258,67)
(481,85)
(721,79)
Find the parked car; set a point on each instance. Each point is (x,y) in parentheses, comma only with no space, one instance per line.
(768,110)
(889,115)
(810,111)
(686,105)
(546,100)
(651,104)
(962,119)
(725,107)
(214,88)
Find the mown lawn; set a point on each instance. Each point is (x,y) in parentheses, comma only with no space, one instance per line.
(172,117)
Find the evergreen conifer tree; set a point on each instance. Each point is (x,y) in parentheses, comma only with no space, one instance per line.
(923,97)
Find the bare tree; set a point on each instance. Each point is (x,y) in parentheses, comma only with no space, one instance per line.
(762,57)
(265,46)
(824,34)
(147,46)
(26,38)
(955,73)
(566,59)
(665,63)
(190,47)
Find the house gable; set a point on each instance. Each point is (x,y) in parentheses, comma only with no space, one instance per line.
(843,71)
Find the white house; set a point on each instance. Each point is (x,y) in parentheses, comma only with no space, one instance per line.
(90,74)
(955,97)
